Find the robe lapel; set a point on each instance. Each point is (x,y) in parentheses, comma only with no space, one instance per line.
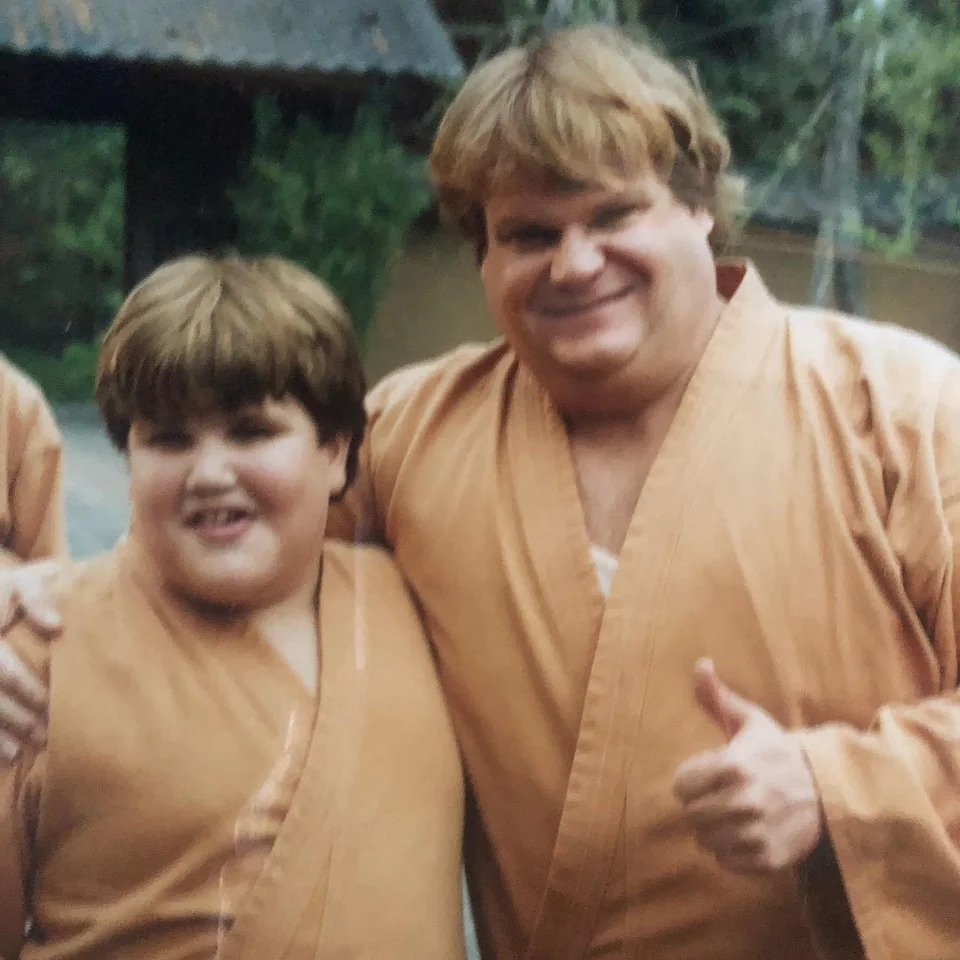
(628,627)
(552,520)
(291,891)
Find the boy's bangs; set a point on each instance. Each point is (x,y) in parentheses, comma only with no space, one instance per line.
(220,371)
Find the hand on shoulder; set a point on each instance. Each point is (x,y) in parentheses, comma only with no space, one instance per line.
(26,596)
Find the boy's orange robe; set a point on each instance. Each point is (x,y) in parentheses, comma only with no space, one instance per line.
(32,520)
(800,525)
(195,802)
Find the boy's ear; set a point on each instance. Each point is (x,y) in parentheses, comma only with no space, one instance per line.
(338,448)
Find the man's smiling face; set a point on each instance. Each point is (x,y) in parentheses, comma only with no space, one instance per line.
(589,282)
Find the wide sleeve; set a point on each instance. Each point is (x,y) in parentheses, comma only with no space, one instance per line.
(354,517)
(19,792)
(891,794)
(359,515)
(38,521)
(21,785)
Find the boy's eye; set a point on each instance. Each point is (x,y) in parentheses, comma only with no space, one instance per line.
(170,439)
(251,430)
(530,237)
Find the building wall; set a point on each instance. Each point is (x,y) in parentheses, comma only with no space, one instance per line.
(923,293)
(435,301)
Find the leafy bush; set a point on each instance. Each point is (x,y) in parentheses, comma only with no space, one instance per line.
(66,377)
(61,231)
(338,203)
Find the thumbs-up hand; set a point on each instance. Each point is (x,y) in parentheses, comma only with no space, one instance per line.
(752,804)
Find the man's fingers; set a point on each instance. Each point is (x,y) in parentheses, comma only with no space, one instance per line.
(705,773)
(20,725)
(19,684)
(727,709)
(26,592)
(9,751)
(9,611)
(727,805)
(40,614)
(728,839)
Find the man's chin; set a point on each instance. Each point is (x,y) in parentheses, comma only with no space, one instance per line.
(591,360)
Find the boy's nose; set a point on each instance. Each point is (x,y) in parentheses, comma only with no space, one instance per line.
(212,467)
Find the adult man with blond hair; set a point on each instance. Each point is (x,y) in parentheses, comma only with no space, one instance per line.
(658,469)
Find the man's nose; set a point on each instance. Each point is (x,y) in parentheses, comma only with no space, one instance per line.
(212,467)
(578,257)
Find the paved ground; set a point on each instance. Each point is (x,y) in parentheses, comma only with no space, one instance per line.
(96,493)
(96,482)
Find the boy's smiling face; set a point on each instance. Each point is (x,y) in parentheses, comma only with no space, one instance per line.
(231,507)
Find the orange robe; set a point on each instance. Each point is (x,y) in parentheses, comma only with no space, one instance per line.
(800,525)
(32,520)
(194,802)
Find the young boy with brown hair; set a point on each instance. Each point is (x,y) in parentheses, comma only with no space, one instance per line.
(248,753)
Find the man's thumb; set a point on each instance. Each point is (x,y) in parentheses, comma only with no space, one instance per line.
(727,709)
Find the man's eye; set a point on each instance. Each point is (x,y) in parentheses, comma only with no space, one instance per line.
(610,217)
(530,238)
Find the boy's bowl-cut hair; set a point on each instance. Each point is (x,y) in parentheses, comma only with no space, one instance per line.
(204,333)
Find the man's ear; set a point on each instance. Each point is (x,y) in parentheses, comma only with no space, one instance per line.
(705,220)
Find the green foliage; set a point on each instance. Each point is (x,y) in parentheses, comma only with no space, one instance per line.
(61,231)
(915,96)
(67,376)
(769,69)
(338,203)
(772,77)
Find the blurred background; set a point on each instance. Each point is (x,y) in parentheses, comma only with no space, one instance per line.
(135,130)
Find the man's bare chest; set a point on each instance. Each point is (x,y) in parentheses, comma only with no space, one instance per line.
(609,485)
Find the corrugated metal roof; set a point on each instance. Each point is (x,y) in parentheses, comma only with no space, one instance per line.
(357,36)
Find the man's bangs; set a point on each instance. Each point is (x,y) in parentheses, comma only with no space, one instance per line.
(576,140)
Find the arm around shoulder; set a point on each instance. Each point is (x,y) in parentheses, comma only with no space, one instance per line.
(20,785)
(37,517)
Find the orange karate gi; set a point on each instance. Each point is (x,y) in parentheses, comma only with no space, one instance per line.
(800,525)
(195,803)
(32,521)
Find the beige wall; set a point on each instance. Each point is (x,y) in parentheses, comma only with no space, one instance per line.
(923,293)
(434,300)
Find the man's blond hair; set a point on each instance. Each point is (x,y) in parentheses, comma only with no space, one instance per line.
(584,106)
(202,334)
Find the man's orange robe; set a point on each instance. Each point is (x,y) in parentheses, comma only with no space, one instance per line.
(800,525)
(32,519)
(196,802)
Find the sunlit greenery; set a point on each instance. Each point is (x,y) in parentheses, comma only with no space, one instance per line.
(340,202)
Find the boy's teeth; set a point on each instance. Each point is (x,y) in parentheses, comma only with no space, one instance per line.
(217,517)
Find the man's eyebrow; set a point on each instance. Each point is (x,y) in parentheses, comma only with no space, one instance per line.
(512,223)
(634,196)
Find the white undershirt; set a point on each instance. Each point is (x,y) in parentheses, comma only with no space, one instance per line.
(605,563)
